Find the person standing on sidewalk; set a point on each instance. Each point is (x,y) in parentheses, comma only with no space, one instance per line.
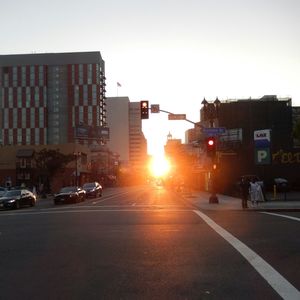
(254,186)
(244,187)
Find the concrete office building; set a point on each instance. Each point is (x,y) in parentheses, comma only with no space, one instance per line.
(46,98)
(126,136)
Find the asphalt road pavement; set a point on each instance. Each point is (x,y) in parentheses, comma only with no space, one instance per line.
(146,243)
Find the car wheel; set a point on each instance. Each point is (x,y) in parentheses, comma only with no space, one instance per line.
(32,203)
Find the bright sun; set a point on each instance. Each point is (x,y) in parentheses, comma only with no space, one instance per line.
(159,166)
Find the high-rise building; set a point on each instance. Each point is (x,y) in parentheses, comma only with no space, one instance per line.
(127,138)
(52,98)
(137,141)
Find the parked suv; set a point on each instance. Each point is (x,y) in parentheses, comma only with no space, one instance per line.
(93,189)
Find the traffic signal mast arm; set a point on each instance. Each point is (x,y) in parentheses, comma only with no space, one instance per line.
(185,119)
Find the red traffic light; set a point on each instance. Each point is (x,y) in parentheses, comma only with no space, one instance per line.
(211,146)
(210,142)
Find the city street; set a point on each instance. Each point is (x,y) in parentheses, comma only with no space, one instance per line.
(147,243)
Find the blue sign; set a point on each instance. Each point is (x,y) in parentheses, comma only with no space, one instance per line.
(214,131)
(261,143)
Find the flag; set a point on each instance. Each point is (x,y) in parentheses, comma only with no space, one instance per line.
(119,84)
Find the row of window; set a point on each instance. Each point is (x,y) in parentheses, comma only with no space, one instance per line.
(85,95)
(28,136)
(99,113)
(32,117)
(89,75)
(23,76)
(29,94)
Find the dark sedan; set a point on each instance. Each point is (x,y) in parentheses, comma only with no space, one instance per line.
(17,198)
(93,189)
(70,194)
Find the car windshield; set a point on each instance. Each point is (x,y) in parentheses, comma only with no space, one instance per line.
(89,185)
(12,193)
(68,189)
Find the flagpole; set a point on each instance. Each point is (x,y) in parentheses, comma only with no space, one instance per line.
(118,85)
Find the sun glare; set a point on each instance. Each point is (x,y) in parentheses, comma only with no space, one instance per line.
(159,166)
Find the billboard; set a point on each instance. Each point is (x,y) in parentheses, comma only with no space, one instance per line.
(91,132)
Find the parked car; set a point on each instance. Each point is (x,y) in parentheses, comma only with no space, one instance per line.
(70,194)
(2,191)
(17,198)
(282,184)
(93,189)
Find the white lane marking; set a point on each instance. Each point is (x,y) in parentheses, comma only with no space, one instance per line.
(90,211)
(279,215)
(285,289)
(110,197)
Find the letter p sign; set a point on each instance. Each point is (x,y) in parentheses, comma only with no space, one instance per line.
(262,156)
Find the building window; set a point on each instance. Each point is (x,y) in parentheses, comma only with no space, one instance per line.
(85,95)
(10,136)
(80,74)
(6,118)
(23,117)
(19,136)
(28,136)
(10,97)
(15,117)
(90,115)
(37,136)
(81,114)
(89,73)
(94,94)
(41,117)
(23,72)
(32,76)
(76,95)
(32,117)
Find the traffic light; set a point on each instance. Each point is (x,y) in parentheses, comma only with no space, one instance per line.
(144,109)
(211,146)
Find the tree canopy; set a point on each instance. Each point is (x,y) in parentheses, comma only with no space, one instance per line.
(49,161)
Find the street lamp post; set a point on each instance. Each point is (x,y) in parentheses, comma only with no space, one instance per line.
(211,112)
(76,154)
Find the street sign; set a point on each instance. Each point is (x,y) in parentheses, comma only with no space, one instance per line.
(177,116)
(214,131)
(262,156)
(154,108)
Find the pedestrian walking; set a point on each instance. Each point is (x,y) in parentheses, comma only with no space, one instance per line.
(244,188)
(253,191)
(256,194)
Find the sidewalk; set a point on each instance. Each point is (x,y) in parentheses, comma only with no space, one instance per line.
(200,199)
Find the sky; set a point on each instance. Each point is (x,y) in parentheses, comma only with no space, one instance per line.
(171,53)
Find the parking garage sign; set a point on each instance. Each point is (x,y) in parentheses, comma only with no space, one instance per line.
(262,142)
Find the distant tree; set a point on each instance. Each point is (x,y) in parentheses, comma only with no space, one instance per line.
(48,162)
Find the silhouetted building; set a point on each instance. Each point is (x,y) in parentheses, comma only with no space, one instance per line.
(238,149)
